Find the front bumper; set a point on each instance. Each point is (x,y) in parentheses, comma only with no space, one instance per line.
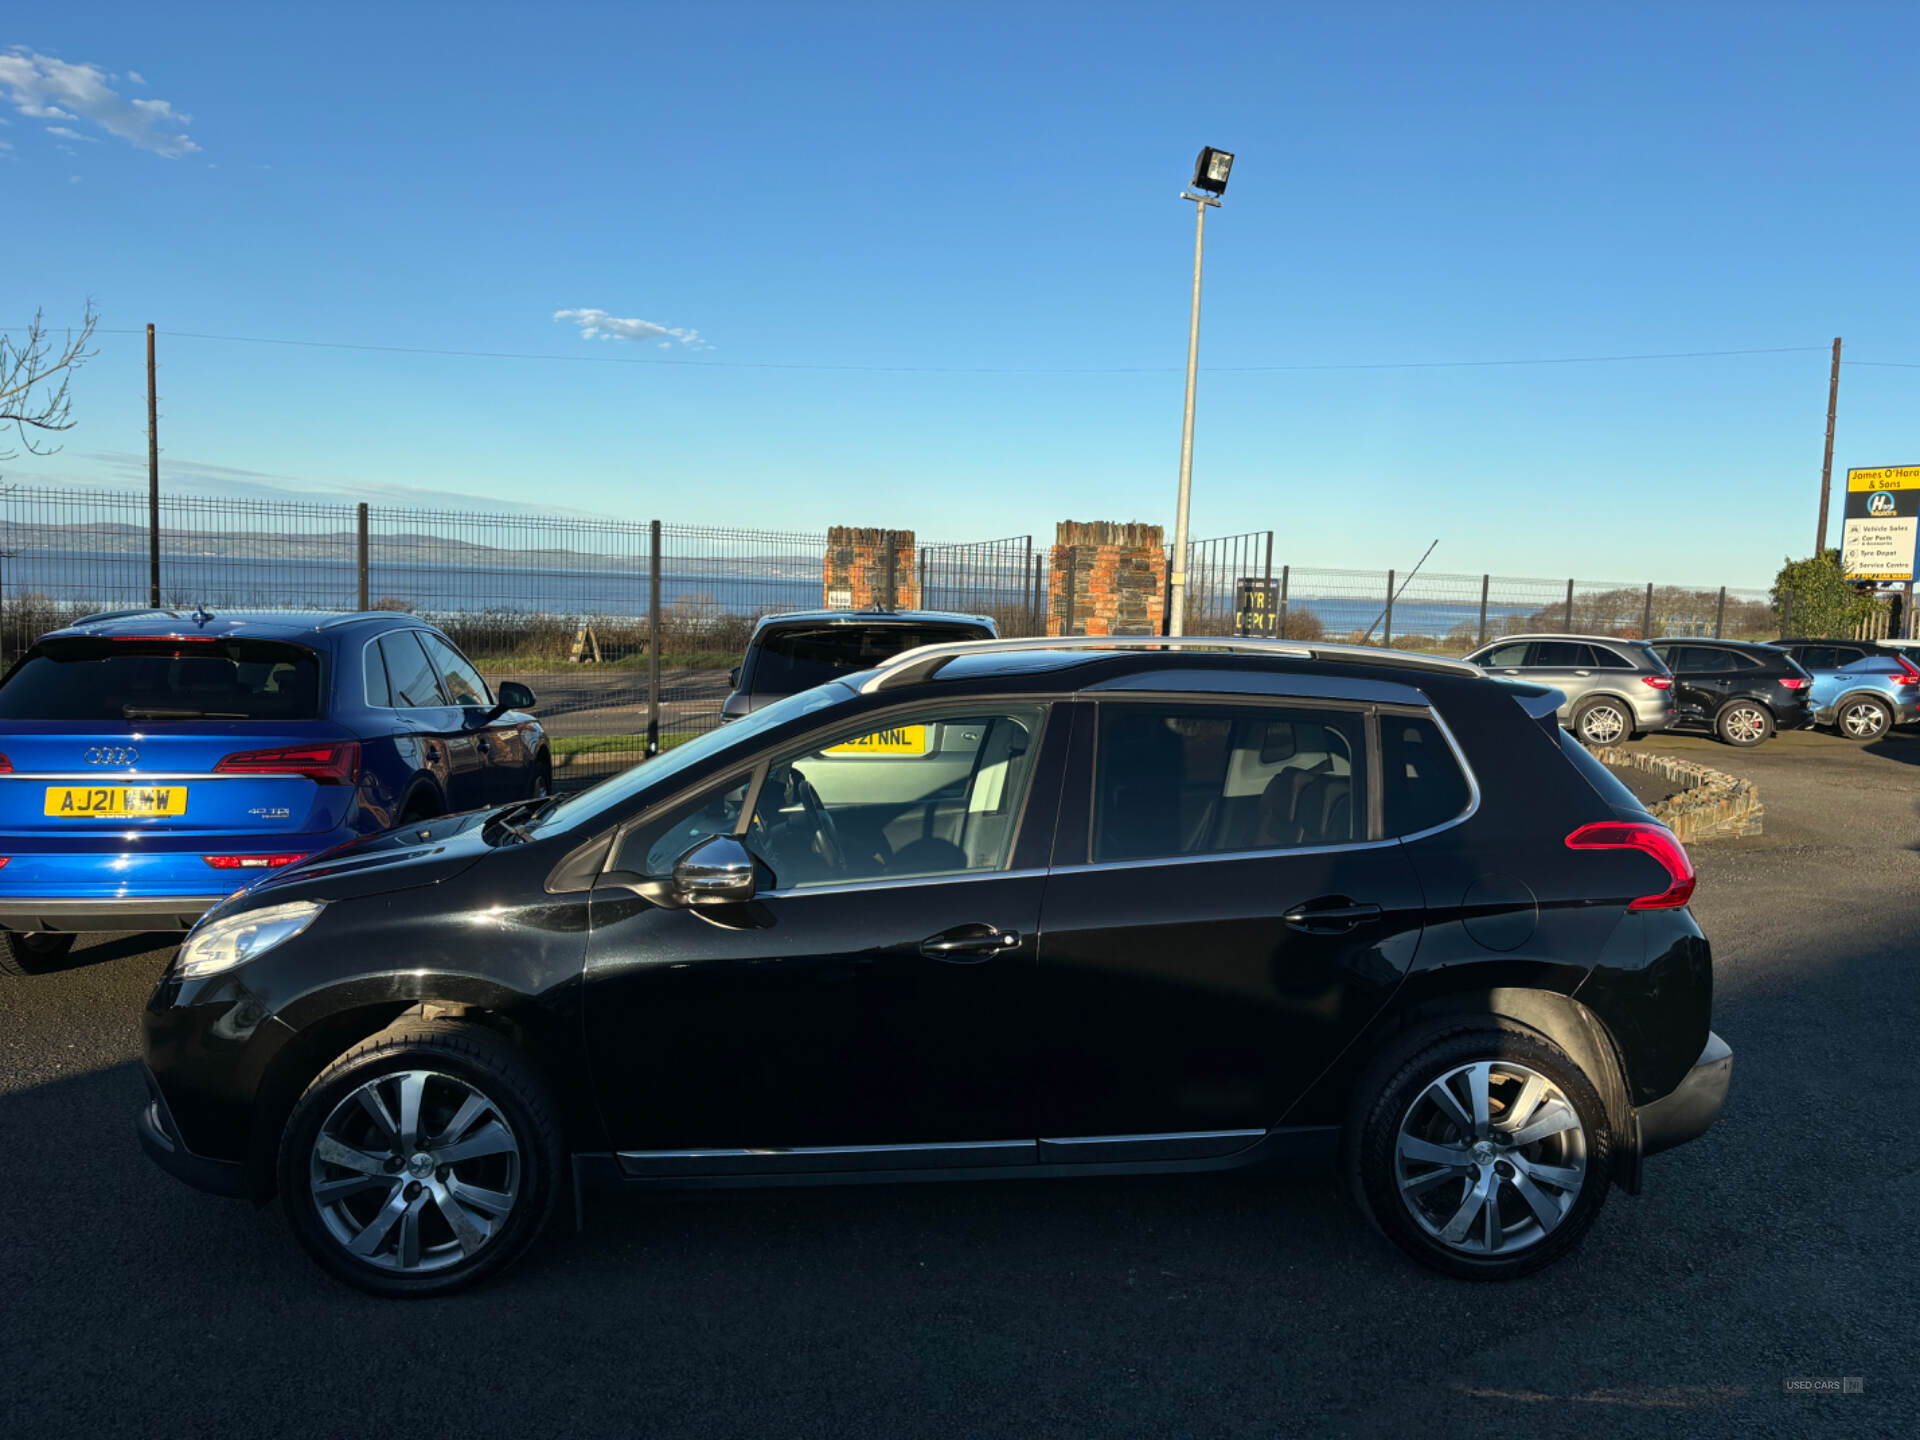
(130,912)
(1692,1106)
(160,1138)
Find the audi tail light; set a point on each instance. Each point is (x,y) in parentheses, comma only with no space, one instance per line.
(1650,839)
(6,766)
(250,862)
(332,763)
(1658,682)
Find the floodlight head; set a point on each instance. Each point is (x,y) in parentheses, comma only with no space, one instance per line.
(1211,169)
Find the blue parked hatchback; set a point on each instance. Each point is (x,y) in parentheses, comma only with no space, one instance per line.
(153,763)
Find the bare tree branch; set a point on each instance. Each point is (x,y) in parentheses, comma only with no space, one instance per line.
(35,375)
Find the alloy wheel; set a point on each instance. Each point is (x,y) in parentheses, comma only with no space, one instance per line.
(415,1171)
(1490,1158)
(1745,725)
(1863,719)
(1602,725)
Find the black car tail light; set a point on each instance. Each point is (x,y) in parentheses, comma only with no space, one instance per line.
(1651,839)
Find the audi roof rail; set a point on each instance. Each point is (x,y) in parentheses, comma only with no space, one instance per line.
(920,663)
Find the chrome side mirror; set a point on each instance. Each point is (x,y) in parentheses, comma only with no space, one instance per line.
(717,871)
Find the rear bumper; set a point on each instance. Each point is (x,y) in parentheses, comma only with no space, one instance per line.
(160,1138)
(133,912)
(1693,1105)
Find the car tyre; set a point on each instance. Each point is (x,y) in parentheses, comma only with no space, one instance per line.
(1603,721)
(24,953)
(1424,1174)
(424,1159)
(1744,723)
(1863,718)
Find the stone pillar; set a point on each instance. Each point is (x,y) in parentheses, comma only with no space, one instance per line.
(1106,579)
(856,574)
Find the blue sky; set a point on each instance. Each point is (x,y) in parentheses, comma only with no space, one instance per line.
(961,207)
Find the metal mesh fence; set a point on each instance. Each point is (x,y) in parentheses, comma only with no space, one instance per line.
(564,604)
(1002,579)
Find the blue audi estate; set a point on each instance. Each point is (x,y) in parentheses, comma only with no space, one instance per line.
(153,763)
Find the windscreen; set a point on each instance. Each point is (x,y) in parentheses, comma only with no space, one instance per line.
(790,660)
(90,678)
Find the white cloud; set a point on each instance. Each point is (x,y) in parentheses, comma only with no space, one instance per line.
(599,325)
(136,77)
(44,88)
(67,134)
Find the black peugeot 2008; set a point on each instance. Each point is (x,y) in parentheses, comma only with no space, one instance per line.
(1010,909)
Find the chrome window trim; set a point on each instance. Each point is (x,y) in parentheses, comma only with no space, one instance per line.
(1158,1138)
(895,882)
(416,632)
(1216,856)
(1473,784)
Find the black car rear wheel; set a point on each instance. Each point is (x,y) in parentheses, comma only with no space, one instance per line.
(422,1160)
(1486,1155)
(1743,722)
(24,953)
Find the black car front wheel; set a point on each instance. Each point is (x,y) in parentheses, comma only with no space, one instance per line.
(423,1159)
(1485,1155)
(1743,722)
(24,953)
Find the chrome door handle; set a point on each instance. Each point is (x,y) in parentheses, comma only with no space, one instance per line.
(1330,919)
(984,942)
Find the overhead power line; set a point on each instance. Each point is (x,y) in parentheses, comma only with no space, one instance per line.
(974,369)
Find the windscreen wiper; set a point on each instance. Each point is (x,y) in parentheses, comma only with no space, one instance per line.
(161,712)
(506,821)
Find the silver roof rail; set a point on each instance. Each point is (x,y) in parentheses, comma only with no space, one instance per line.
(920,663)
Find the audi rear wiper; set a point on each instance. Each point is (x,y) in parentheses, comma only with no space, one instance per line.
(161,712)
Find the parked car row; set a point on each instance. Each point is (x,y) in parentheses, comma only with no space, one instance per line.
(1741,692)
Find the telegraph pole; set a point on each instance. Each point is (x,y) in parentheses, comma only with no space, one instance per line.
(1826,465)
(152,477)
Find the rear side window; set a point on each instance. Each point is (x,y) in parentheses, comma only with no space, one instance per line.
(1421,782)
(377,694)
(1608,659)
(1562,655)
(1740,660)
(1175,780)
(1605,783)
(458,679)
(409,675)
(93,678)
(790,660)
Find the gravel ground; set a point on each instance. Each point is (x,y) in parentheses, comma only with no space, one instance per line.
(1779,1246)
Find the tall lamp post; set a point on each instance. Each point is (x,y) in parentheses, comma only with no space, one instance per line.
(1209,183)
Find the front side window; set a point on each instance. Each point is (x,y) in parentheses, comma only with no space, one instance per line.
(458,678)
(940,794)
(1506,657)
(409,673)
(1173,780)
(651,847)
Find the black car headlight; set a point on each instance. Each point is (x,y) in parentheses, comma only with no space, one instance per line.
(233,939)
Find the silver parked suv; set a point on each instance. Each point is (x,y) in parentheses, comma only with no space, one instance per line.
(1615,689)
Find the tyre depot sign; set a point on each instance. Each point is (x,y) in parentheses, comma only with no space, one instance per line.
(1882,524)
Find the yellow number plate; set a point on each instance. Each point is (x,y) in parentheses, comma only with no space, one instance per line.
(903,740)
(115,802)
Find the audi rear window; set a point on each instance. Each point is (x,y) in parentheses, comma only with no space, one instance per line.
(95,678)
(788,661)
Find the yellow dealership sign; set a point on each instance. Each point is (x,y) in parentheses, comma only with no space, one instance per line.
(1882,524)
(1885,477)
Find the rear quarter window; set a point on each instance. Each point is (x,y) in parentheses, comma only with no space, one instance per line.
(1423,784)
(101,678)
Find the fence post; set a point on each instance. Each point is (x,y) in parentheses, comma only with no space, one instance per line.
(1036,620)
(1284,569)
(1569,624)
(887,571)
(1386,635)
(1720,616)
(1646,621)
(924,604)
(360,553)
(653,640)
(1033,589)
(1267,573)
(1066,619)
(1485,582)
